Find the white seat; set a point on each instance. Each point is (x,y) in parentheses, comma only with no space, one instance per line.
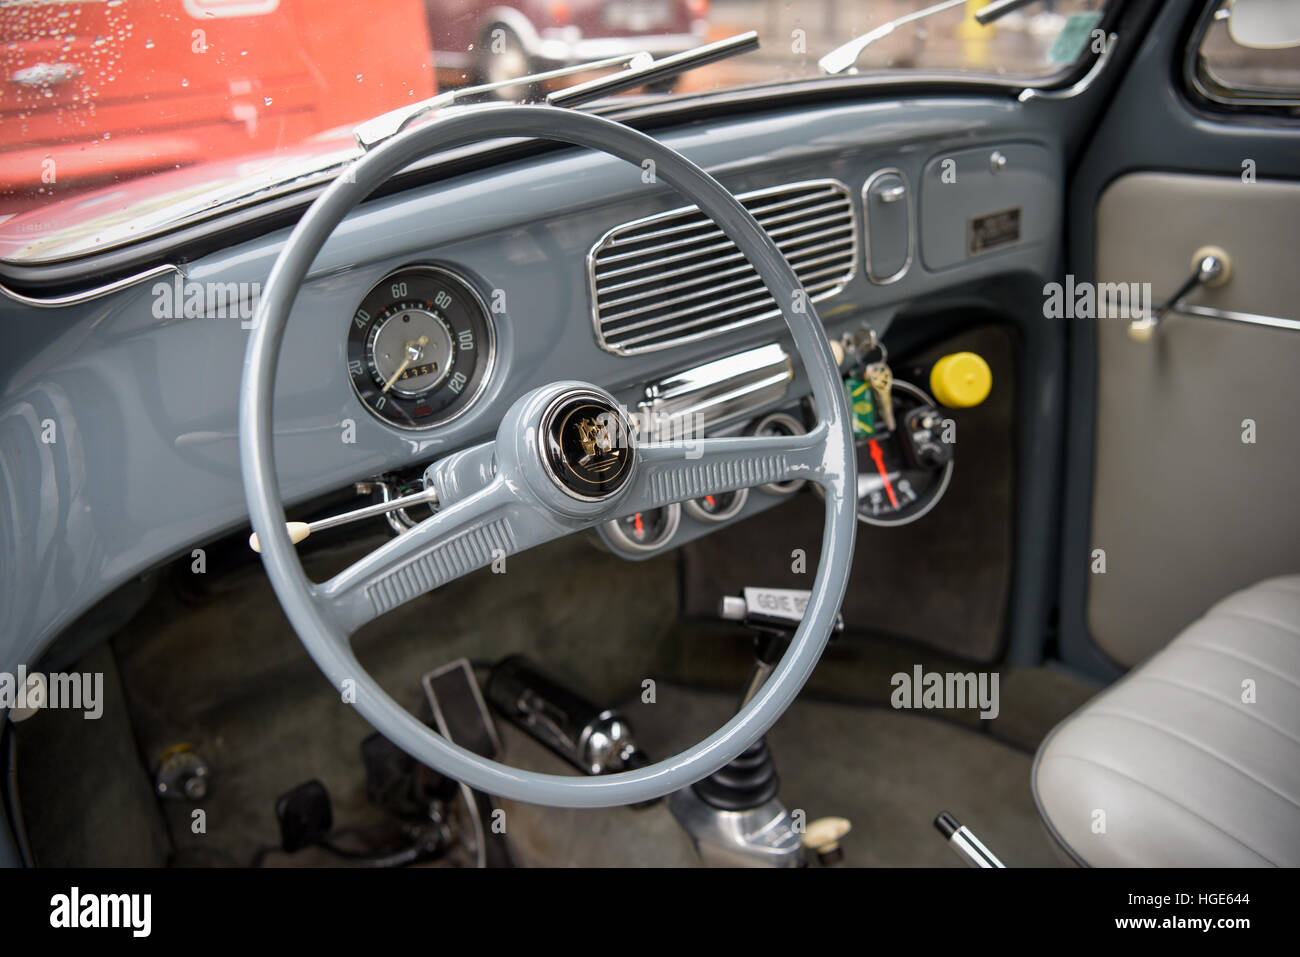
(1192,759)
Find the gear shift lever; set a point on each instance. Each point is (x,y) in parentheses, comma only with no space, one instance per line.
(734,816)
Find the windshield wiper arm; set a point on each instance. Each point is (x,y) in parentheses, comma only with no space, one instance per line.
(999,9)
(641,69)
(377,129)
(641,72)
(843,57)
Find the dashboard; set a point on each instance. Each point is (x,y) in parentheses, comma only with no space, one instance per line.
(429,311)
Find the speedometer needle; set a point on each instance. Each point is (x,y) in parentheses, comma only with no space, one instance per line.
(414,350)
(878,457)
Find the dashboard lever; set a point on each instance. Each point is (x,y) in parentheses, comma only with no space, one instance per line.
(964,842)
(298,531)
(892,194)
(769,609)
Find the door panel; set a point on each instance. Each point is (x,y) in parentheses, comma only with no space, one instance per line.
(1188,505)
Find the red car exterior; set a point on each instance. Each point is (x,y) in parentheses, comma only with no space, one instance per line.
(100,89)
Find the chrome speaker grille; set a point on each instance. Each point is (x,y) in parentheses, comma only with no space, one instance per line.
(675,278)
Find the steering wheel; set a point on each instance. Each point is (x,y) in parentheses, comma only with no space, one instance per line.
(565,458)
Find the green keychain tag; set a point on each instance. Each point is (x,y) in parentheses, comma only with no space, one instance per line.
(863,405)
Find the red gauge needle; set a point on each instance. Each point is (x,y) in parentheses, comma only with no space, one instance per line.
(878,457)
(640,529)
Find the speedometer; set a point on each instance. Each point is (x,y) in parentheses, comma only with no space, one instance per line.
(420,347)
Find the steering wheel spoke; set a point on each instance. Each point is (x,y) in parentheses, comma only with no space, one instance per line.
(682,470)
(469,534)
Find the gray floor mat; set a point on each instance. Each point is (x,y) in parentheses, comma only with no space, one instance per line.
(230,677)
(889,772)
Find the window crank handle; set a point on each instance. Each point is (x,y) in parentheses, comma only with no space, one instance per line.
(1211,268)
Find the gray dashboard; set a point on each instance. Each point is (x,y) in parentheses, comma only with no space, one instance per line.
(142,463)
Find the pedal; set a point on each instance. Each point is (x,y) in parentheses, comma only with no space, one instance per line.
(398,783)
(461,716)
(306,816)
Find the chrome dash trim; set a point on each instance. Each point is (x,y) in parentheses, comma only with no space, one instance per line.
(1081,86)
(866,226)
(96,292)
(725,389)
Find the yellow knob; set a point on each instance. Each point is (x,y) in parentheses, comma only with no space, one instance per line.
(961,380)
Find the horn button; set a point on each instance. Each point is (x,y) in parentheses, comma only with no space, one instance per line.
(587,446)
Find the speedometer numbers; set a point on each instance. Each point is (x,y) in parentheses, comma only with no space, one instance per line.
(420,347)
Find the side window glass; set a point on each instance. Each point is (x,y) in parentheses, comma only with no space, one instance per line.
(1247,54)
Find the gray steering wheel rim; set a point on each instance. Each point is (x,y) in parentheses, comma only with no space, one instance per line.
(327,643)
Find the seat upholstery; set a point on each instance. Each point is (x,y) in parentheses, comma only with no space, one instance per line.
(1176,765)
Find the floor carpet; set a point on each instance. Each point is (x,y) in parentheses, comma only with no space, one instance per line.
(227,675)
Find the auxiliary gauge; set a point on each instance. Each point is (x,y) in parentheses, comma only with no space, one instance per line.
(719,506)
(420,347)
(645,531)
(780,423)
(903,474)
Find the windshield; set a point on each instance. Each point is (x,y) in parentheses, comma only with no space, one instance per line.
(134,114)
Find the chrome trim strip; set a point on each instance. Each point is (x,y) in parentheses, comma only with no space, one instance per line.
(715,234)
(729,388)
(1209,312)
(96,292)
(752,298)
(694,323)
(792,228)
(866,225)
(731,271)
(791,209)
(1081,85)
(713,264)
(814,196)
